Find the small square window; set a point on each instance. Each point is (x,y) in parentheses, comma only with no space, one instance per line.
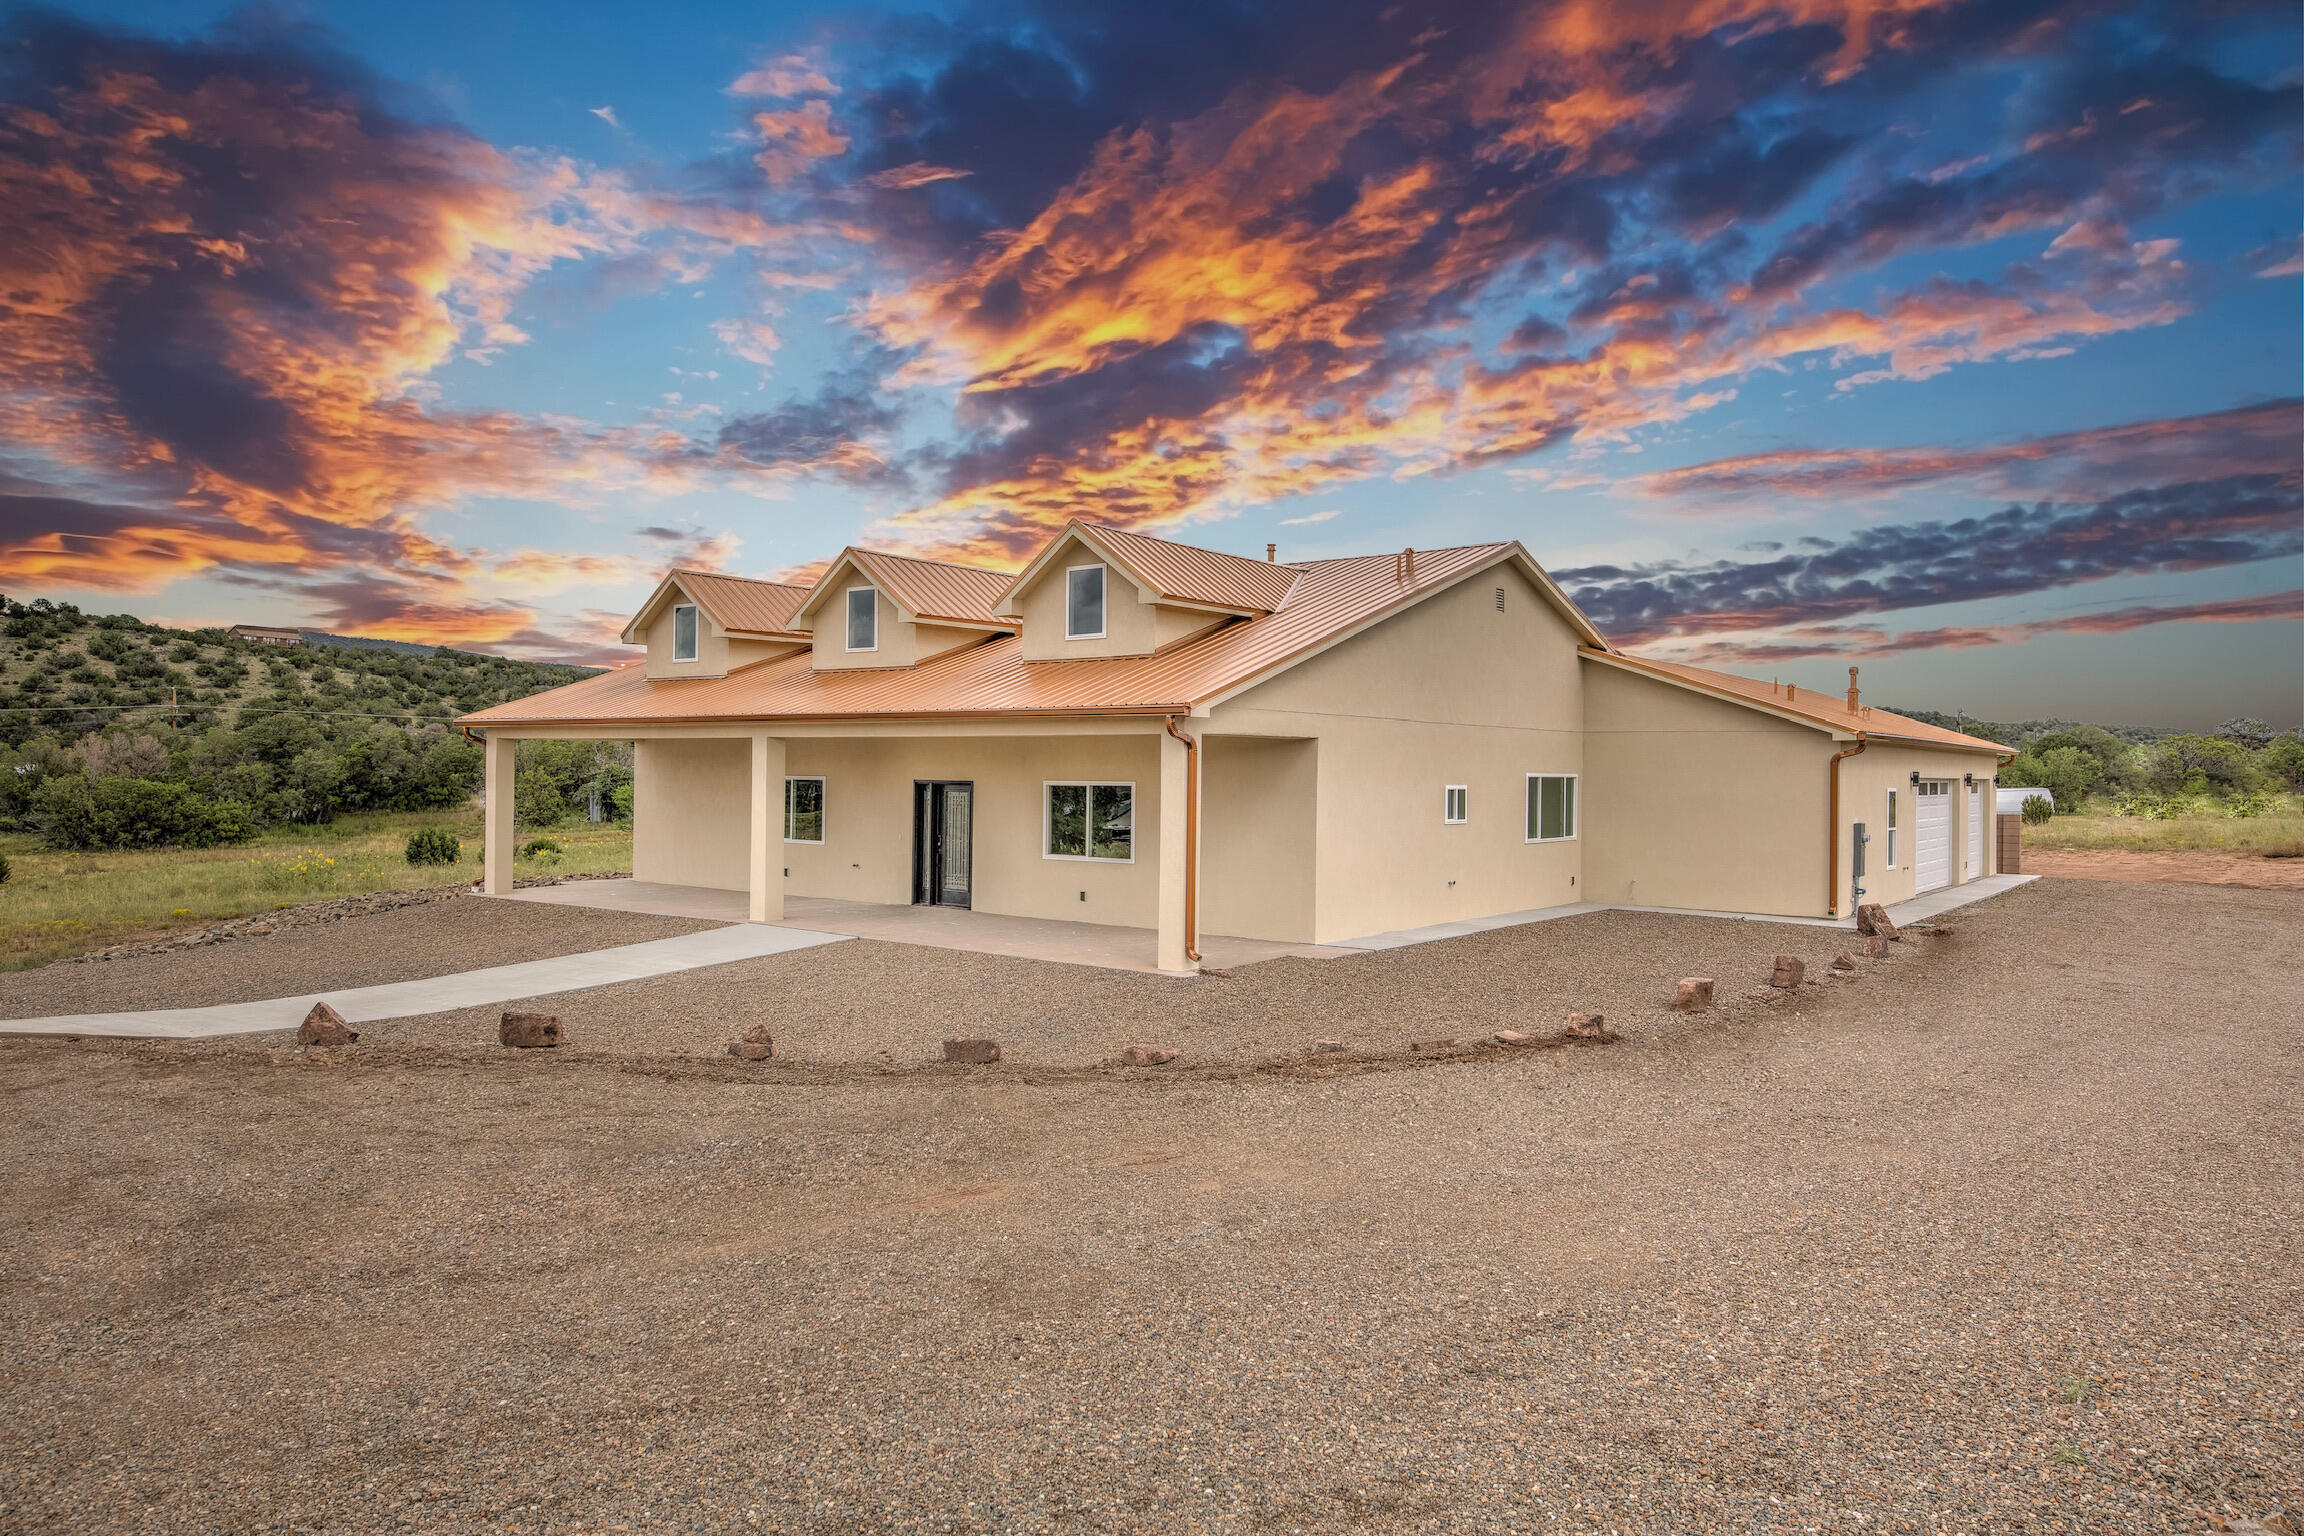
(684,632)
(1084,603)
(1452,805)
(804,810)
(863,619)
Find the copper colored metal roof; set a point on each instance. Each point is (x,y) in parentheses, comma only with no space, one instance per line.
(1191,575)
(992,678)
(742,605)
(932,590)
(1822,708)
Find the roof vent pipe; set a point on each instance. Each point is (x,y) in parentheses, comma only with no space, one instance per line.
(1852,704)
(1404,565)
(1271,553)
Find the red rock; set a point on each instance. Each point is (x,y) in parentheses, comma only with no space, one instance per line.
(974,1053)
(325,1026)
(1694,994)
(529,1031)
(758,1035)
(1844,961)
(751,1050)
(1145,1056)
(1873,918)
(1512,1037)
(1587,1026)
(1875,947)
(1790,971)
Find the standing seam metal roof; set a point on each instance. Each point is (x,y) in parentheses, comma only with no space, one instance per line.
(1191,575)
(741,604)
(993,678)
(1822,708)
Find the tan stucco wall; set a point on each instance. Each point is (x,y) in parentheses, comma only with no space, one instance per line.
(1698,803)
(867,850)
(712,659)
(1693,802)
(1134,624)
(689,815)
(831,654)
(1449,692)
(1258,828)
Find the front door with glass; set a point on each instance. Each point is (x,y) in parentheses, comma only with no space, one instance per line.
(943,836)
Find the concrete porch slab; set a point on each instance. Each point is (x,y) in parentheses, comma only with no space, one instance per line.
(989,933)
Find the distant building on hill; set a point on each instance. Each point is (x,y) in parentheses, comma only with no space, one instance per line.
(265,634)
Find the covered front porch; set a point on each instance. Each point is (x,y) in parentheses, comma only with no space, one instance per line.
(1066,839)
(987,933)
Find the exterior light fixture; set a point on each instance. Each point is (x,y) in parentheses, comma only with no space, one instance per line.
(1915,778)
(1968,779)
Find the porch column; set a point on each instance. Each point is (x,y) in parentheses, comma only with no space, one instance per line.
(766,879)
(496,815)
(1174,939)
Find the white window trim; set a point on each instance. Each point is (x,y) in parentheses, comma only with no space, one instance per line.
(848,619)
(695,631)
(1576,823)
(1447,797)
(1103,601)
(1892,830)
(817,779)
(1092,785)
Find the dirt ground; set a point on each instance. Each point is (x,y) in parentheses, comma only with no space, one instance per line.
(2183,868)
(2005,1234)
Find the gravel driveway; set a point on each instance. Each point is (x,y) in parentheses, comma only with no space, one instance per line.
(436,938)
(2005,1235)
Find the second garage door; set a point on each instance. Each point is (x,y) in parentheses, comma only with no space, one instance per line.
(1932,821)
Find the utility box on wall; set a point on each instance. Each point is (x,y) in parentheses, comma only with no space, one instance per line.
(2011,849)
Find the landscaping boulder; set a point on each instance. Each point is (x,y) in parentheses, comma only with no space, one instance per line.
(1512,1037)
(1844,961)
(1431,1045)
(1587,1026)
(1872,917)
(325,1026)
(1145,1056)
(529,1031)
(1694,994)
(751,1050)
(1790,971)
(1875,947)
(974,1053)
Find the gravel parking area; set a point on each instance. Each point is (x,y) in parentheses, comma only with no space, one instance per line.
(436,938)
(894,1004)
(2007,1235)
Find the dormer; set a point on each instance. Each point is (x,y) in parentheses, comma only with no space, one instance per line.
(1102,591)
(873,609)
(700,624)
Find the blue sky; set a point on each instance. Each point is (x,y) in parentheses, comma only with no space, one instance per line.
(1961,345)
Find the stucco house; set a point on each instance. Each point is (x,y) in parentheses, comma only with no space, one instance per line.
(1139,732)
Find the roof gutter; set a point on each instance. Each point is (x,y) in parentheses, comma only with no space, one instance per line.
(1832,828)
(1191,841)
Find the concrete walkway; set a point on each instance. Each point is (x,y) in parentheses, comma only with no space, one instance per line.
(438,994)
(1109,945)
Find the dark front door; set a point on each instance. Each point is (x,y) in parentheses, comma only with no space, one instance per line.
(943,840)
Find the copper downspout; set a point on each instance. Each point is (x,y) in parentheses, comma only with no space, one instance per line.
(1832,828)
(1191,842)
(478,741)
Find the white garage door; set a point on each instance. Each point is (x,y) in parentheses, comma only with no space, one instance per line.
(1932,821)
(1977,808)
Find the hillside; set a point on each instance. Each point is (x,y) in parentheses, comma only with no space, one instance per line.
(2019,733)
(64,674)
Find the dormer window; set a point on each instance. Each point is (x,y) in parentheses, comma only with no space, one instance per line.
(863,618)
(684,632)
(1084,602)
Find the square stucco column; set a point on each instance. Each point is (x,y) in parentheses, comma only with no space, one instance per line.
(1176,769)
(496,815)
(765,880)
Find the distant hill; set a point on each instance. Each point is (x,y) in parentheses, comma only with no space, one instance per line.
(2020,733)
(65,673)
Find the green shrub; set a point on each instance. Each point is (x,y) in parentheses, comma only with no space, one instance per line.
(2037,810)
(537,845)
(124,812)
(433,845)
(5,870)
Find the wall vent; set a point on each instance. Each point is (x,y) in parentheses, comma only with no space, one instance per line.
(1499,599)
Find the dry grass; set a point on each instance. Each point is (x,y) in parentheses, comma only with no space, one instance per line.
(60,904)
(2279,834)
